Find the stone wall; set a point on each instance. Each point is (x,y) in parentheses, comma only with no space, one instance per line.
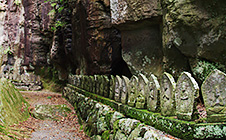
(102,122)
(166,102)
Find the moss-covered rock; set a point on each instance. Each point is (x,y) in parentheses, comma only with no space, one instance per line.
(54,112)
(13,107)
(193,29)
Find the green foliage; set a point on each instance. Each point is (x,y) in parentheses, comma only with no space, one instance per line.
(17,2)
(58,24)
(49,97)
(105,135)
(6,51)
(203,68)
(49,78)
(58,7)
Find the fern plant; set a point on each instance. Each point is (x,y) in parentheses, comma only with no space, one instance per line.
(58,7)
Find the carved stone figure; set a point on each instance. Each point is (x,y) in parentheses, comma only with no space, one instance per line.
(142,91)
(167,95)
(124,90)
(133,91)
(112,87)
(153,97)
(118,85)
(86,83)
(101,82)
(98,78)
(78,81)
(187,90)
(140,101)
(70,77)
(106,86)
(91,86)
(72,80)
(214,95)
(94,83)
(82,81)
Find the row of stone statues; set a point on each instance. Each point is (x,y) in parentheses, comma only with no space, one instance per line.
(166,96)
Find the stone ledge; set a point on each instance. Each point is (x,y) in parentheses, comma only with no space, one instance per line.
(100,121)
(177,128)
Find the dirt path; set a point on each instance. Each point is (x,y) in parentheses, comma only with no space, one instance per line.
(67,128)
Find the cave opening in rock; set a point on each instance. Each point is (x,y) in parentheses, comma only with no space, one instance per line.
(121,68)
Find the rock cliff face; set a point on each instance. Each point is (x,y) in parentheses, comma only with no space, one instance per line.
(94,45)
(114,36)
(193,30)
(25,35)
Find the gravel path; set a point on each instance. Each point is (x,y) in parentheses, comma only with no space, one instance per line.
(67,128)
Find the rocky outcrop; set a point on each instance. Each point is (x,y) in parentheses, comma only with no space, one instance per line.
(123,11)
(140,26)
(115,37)
(193,30)
(91,45)
(26,36)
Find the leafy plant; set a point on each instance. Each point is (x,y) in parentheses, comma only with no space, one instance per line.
(58,24)
(17,2)
(7,51)
(58,6)
(203,68)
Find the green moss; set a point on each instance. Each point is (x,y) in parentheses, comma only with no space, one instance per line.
(115,127)
(108,117)
(49,78)
(105,135)
(202,69)
(179,128)
(13,107)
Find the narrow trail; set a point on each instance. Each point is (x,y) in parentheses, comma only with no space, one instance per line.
(67,128)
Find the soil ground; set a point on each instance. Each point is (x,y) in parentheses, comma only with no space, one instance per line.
(67,128)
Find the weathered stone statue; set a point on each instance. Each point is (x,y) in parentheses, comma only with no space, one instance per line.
(86,83)
(82,82)
(78,81)
(153,97)
(70,77)
(214,95)
(74,81)
(91,86)
(101,80)
(94,83)
(106,86)
(142,91)
(97,84)
(118,85)
(133,91)
(187,90)
(112,87)
(124,90)
(167,95)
